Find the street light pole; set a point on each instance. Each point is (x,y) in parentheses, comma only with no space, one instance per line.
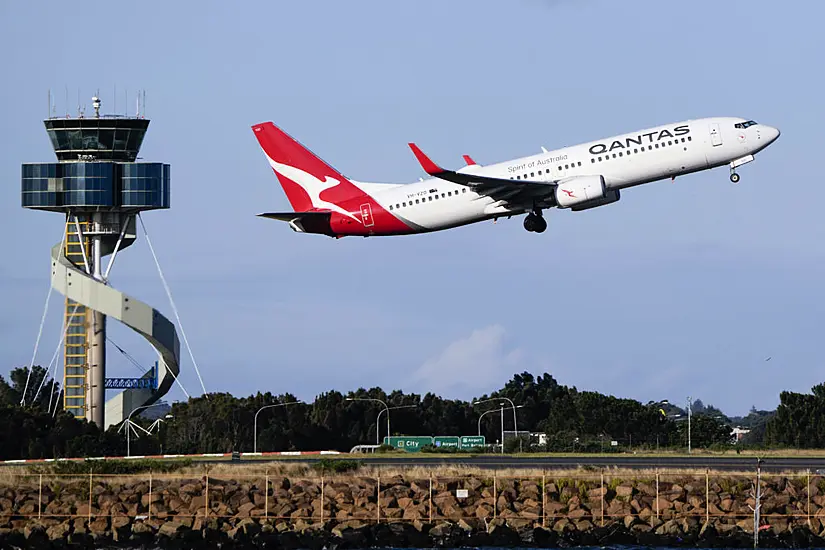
(377,442)
(129,422)
(482,416)
(255,424)
(688,411)
(388,412)
(502,428)
(513,406)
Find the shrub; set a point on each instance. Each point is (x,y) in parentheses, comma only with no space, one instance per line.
(336,465)
(112,467)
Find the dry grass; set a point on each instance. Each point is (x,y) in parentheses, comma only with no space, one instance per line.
(17,477)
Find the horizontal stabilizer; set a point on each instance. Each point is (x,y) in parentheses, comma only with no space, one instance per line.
(303,222)
(290,216)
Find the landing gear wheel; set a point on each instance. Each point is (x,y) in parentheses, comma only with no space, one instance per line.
(535,223)
(734,177)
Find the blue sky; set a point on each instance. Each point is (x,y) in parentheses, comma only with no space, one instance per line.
(680,288)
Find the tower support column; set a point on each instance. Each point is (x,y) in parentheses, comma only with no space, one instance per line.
(97,334)
(97,367)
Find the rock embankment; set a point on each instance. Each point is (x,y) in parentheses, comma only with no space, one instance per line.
(413,512)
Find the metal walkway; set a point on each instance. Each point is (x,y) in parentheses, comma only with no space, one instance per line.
(82,291)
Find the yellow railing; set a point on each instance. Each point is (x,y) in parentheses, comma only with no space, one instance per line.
(75,362)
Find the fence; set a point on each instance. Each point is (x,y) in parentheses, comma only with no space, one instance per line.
(549,500)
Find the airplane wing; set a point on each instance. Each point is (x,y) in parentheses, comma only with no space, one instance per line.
(512,191)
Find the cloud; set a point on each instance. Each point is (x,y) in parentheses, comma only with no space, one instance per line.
(477,364)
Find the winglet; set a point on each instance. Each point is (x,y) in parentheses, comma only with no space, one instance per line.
(429,166)
(469,160)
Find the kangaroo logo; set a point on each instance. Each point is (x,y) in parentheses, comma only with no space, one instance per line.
(569,193)
(312,185)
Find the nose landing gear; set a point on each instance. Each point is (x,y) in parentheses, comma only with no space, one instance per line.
(734,177)
(534,222)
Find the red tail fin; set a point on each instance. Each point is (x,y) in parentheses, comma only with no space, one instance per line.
(303,176)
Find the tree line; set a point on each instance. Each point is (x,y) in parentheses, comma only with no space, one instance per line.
(571,421)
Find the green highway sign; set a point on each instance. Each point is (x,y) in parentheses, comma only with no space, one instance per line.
(446,441)
(410,444)
(470,441)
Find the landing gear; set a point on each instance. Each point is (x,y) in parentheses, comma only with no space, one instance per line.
(535,223)
(734,177)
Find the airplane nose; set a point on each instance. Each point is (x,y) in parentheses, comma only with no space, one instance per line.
(771,133)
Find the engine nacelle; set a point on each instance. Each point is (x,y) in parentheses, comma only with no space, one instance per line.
(579,189)
(612,195)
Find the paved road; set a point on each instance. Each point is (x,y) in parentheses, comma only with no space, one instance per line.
(736,463)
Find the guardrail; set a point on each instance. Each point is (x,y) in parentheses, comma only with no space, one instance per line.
(202,455)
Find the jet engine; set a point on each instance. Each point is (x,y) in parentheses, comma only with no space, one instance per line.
(612,195)
(579,190)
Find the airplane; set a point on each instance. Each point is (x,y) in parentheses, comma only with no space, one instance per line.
(578,178)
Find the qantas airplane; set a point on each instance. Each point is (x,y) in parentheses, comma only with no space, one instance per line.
(579,178)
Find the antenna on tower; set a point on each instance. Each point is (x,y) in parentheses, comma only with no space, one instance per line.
(137,105)
(96,105)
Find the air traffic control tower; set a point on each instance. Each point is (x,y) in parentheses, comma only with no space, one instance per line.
(100,189)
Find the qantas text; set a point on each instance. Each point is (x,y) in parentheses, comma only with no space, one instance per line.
(601,148)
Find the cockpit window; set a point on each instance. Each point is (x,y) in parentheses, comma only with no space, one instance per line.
(744,125)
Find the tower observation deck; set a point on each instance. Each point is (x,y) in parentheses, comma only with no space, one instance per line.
(100,189)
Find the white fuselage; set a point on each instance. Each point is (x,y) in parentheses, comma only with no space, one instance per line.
(624,161)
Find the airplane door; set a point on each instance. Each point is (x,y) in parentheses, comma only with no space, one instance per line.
(366,215)
(715,135)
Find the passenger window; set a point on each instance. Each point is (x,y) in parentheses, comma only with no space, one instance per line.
(580,163)
(464,190)
(620,153)
(416,201)
(614,155)
(689,138)
(532,174)
(635,150)
(442,195)
(430,198)
(592,161)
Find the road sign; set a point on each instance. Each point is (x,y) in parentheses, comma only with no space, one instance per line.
(446,442)
(470,441)
(410,444)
